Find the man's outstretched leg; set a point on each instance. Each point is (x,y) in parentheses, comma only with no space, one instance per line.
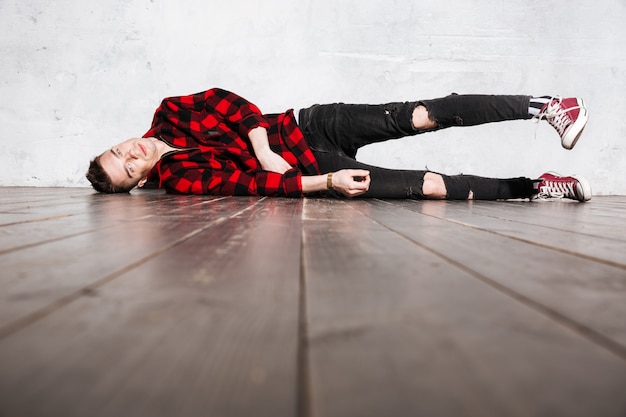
(417,184)
(348,127)
(470,187)
(568,116)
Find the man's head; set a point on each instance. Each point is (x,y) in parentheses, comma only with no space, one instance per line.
(124,166)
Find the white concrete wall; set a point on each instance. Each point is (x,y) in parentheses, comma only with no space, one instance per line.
(80,75)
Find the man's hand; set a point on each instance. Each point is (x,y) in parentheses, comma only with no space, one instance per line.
(351,182)
(271,161)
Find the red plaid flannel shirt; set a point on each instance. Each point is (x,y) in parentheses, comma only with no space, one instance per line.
(218,159)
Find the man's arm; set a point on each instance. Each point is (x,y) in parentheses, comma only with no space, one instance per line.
(270,160)
(349,182)
(343,181)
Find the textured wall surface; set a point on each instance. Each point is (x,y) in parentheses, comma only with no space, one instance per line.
(81,75)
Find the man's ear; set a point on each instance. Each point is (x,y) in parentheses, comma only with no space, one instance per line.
(142,182)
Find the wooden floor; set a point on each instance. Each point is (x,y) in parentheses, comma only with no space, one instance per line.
(158,305)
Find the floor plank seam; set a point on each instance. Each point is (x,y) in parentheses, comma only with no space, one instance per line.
(581,329)
(303,381)
(28,319)
(519,239)
(42,219)
(546,227)
(543,245)
(56,239)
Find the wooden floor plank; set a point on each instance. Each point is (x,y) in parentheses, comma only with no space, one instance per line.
(33,197)
(394,329)
(590,294)
(209,327)
(603,249)
(43,275)
(88,216)
(42,209)
(560,216)
(9,194)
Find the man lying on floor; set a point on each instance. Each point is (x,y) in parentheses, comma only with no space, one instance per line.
(216,142)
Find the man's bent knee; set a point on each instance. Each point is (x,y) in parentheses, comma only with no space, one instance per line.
(434,187)
(421,119)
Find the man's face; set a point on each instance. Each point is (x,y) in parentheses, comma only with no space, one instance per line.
(129,162)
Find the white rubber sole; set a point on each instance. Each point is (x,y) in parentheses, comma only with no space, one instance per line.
(575,131)
(583,188)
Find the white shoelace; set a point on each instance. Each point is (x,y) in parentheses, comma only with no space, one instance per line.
(557,189)
(555,115)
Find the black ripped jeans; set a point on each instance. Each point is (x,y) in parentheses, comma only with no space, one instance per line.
(335,132)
